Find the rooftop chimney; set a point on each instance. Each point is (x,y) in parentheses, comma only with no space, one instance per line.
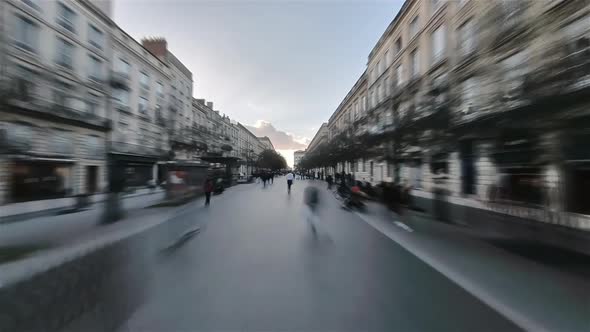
(210,104)
(156,45)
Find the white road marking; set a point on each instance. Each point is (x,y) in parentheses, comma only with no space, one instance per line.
(512,313)
(403,226)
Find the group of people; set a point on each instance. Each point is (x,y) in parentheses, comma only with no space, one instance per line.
(266,177)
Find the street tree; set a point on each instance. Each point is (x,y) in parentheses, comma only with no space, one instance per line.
(271,160)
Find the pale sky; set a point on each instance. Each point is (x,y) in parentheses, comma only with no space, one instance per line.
(287,63)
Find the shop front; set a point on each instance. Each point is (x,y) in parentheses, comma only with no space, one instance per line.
(577,172)
(40,178)
(138,171)
(520,163)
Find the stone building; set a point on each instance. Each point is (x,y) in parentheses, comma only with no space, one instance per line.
(266,142)
(297,156)
(141,115)
(55,95)
(487,99)
(249,147)
(180,92)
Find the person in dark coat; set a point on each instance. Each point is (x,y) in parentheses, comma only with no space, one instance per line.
(208,188)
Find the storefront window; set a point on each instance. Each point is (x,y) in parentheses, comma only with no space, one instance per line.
(520,176)
(39,180)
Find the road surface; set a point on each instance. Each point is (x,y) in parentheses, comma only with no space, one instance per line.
(256,265)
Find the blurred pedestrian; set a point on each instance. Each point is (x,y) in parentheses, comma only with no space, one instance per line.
(312,200)
(329,180)
(208,188)
(264,177)
(290,178)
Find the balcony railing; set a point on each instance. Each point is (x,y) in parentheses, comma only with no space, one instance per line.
(120,80)
(137,149)
(71,108)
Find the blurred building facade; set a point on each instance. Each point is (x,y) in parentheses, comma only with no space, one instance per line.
(266,142)
(141,119)
(55,97)
(249,148)
(491,96)
(80,95)
(297,156)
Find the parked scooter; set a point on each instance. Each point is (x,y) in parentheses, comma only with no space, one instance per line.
(353,198)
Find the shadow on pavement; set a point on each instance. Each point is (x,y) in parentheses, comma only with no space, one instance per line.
(547,255)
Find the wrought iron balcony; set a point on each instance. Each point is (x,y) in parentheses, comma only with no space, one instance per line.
(120,80)
(137,149)
(70,109)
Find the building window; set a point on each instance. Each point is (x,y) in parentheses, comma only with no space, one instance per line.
(95,37)
(438,44)
(399,77)
(379,93)
(364,164)
(466,38)
(26,34)
(92,104)
(468,93)
(95,70)
(387,58)
(24,83)
(32,3)
(386,86)
(66,17)
(414,27)
(143,105)
(160,89)
(379,68)
(144,80)
(121,96)
(65,53)
(435,4)
(372,99)
(364,103)
(398,45)
(414,63)
(371,76)
(122,66)
(60,93)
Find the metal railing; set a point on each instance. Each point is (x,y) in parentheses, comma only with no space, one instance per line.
(137,149)
(71,108)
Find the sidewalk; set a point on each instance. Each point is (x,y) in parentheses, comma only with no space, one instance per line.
(33,209)
(538,297)
(561,259)
(53,230)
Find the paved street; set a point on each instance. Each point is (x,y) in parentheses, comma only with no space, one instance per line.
(256,265)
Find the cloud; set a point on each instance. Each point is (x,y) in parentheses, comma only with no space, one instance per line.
(280,139)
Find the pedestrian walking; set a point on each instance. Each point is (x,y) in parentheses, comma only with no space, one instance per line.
(208,188)
(312,200)
(290,178)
